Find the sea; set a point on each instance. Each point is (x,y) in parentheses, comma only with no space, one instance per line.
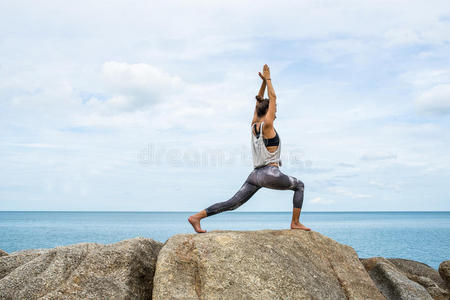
(419,236)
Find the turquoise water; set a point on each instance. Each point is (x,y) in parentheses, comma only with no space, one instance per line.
(421,236)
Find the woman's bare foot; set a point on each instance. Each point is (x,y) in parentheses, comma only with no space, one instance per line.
(298,225)
(195,222)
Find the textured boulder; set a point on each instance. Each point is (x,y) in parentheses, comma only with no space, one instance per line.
(405,279)
(3,253)
(444,271)
(265,264)
(123,270)
(16,259)
(424,275)
(412,267)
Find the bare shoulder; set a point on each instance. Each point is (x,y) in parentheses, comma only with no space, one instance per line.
(268,123)
(269,130)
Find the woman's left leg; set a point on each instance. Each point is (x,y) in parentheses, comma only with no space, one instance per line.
(247,190)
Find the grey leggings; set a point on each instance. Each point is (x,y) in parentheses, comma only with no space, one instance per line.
(268,176)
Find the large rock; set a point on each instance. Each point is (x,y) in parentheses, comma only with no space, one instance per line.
(265,264)
(405,279)
(444,271)
(123,270)
(3,253)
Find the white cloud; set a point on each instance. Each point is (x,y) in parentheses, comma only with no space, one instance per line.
(141,76)
(139,85)
(319,200)
(33,145)
(401,36)
(427,78)
(378,156)
(384,185)
(435,100)
(347,193)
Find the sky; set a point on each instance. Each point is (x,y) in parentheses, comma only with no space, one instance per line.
(147,105)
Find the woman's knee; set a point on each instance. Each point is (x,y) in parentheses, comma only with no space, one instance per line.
(299,185)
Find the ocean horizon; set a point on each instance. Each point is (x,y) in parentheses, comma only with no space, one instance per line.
(417,235)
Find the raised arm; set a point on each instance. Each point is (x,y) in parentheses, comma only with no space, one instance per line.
(260,95)
(262,89)
(270,116)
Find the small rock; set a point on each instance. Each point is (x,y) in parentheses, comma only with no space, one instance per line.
(417,268)
(424,275)
(3,253)
(444,271)
(393,283)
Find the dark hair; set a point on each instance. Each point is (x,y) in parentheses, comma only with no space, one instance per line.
(262,106)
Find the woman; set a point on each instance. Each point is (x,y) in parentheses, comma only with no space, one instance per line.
(266,149)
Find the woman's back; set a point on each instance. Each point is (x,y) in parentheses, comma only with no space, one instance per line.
(271,143)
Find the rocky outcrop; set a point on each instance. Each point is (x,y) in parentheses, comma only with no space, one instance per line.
(444,271)
(405,279)
(265,264)
(123,270)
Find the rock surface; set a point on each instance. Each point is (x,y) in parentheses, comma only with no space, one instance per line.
(264,264)
(424,275)
(405,279)
(15,260)
(123,270)
(444,271)
(415,268)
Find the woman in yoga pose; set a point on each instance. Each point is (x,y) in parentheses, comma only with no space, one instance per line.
(266,147)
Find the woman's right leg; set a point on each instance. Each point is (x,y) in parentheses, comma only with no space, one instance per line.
(271,177)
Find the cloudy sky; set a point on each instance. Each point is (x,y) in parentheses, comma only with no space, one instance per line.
(146,105)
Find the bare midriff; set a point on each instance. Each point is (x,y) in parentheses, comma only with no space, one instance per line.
(272,149)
